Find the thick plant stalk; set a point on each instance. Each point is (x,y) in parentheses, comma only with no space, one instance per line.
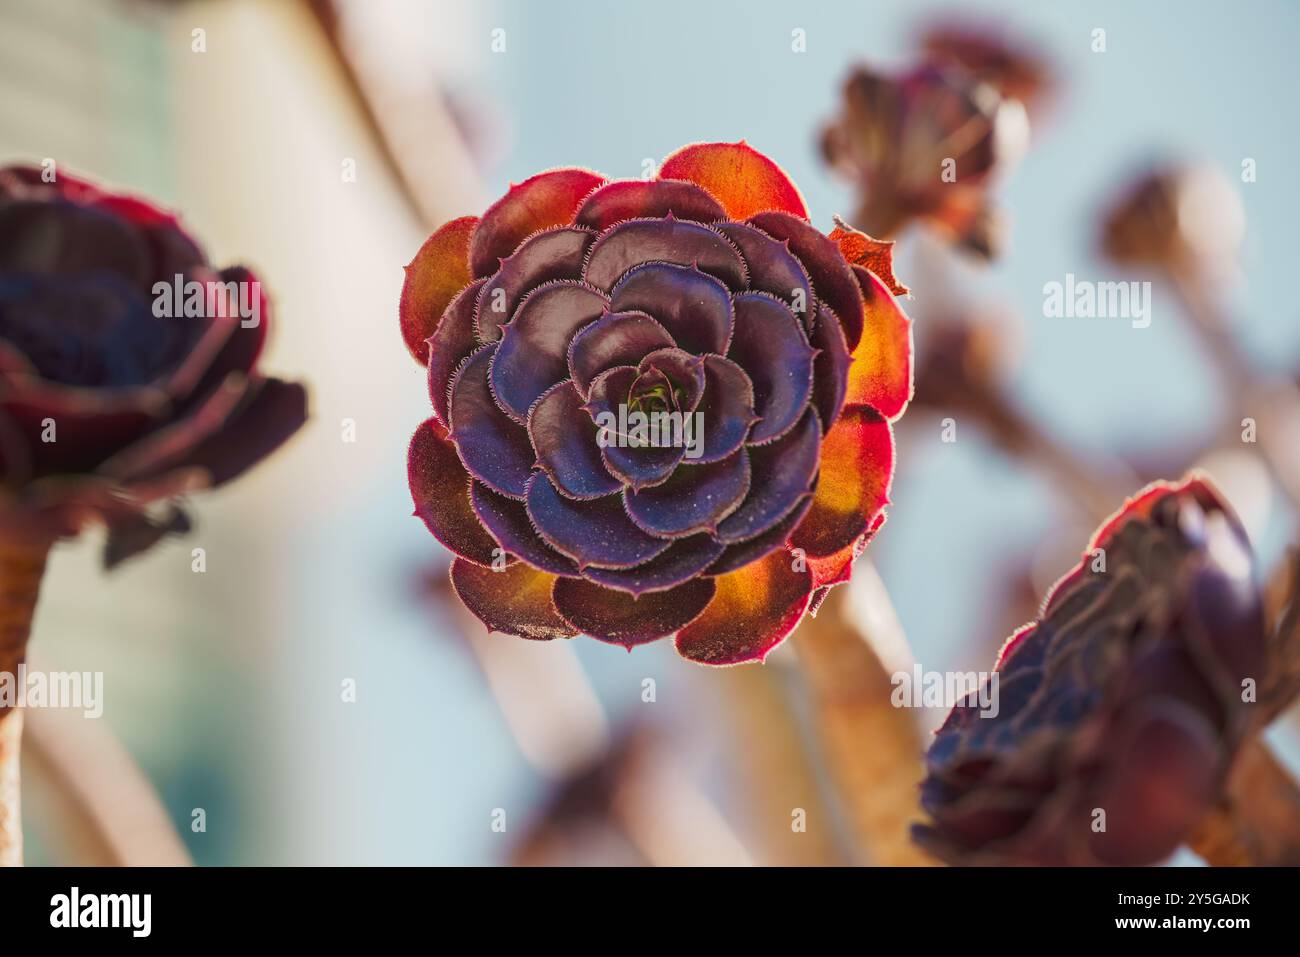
(873,750)
(774,768)
(101,809)
(22,565)
(1257,823)
(561,729)
(415,133)
(671,821)
(11,825)
(546,699)
(1274,403)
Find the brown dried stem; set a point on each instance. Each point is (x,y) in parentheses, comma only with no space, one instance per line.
(1257,821)
(960,373)
(560,728)
(774,769)
(107,812)
(872,749)
(1282,599)
(413,130)
(1018,434)
(1274,404)
(545,698)
(22,565)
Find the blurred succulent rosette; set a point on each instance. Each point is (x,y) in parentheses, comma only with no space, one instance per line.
(128,364)
(128,377)
(926,145)
(1121,708)
(705,291)
(991,53)
(1182,218)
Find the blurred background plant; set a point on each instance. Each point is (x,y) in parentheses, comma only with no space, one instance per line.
(321,140)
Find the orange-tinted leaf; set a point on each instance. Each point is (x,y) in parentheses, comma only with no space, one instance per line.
(440,490)
(515,600)
(880,375)
(433,278)
(754,609)
(742,179)
(539,202)
(856,470)
(837,569)
(876,255)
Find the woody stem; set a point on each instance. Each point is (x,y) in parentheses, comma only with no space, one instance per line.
(1275,404)
(1021,436)
(1257,821)
(22,566)
(872,750)
(880,218)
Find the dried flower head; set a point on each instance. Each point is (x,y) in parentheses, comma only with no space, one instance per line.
(962,366)
(991,54)
(577,312)
(1179,218)
(1120,708)
(926,145)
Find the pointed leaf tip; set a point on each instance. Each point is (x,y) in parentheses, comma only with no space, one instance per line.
(876,255)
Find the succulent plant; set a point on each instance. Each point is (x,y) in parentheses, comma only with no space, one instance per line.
(705,292)
(1120,708)
(118,387)
(128,377)
(925,146)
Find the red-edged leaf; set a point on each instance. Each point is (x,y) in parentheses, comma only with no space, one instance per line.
(623,619)
(440,491)
(451,344)
(515,600)
(874,255)
(837,569)
(881,372)
(831,275)
(539,202)
(857,466)
(433,278)
(634,198)
(754,609)
(1137,507)
(742,179)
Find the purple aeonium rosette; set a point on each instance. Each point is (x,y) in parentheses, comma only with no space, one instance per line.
(578,311)
(128,364)
(1120,709)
